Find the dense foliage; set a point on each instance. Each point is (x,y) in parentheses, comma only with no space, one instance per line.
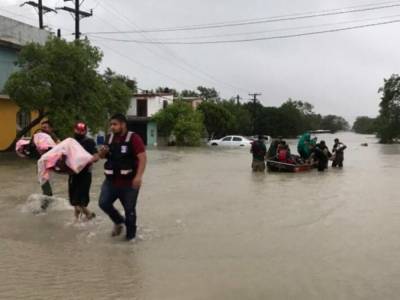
(365,125)
(388,121)
(60,80)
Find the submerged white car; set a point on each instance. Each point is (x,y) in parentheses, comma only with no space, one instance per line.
(231,141)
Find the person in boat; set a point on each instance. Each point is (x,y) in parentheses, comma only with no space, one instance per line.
(338,151)
(304,146)
(321,154)
(259,151)
(79,184)
(283,153)
(273,149)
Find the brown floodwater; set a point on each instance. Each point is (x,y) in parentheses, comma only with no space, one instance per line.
(210,229)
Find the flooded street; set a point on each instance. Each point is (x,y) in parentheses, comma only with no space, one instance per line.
(210,229)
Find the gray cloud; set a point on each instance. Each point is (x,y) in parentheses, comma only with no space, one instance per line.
(339,73)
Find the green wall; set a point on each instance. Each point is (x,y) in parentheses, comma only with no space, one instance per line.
(7,66)
(151,134)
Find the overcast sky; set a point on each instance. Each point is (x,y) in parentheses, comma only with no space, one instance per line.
(339,73)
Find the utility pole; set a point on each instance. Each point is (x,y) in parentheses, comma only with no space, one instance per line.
(41,10)
(255,100)
(238,99)
(78,15)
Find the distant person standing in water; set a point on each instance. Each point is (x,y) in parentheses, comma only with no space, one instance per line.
(126,162)
(338,152)
(259,152)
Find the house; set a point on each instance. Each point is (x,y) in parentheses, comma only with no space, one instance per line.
(193,101)
(13,35)
(143,107)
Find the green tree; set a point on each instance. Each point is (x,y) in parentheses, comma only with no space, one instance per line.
(242,121)
(180,120)
(167,90)
(334,123)
(218,121)
(208,93)
(365,125)
(60,81)
(294,119)
(189,93)
(120,89)
(388,122)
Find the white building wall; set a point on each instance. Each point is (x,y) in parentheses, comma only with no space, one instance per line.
(154,105)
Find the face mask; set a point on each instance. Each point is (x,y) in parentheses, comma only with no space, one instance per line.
(79,136)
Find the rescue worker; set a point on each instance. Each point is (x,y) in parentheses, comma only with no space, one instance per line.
(126,162)
(338,151)
(304,146)
(79,184)
(259,152)
(321,154)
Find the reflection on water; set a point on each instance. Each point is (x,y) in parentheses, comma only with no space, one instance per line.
(211,229)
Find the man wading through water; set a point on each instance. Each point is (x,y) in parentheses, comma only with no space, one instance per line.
(124,169)
(259,151)
(79,184)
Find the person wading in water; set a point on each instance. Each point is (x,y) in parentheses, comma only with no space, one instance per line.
(79,184)
(259,152)
(126,162)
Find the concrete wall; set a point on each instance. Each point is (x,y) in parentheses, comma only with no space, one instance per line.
(19,33)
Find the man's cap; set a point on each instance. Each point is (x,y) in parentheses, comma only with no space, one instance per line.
(80,127)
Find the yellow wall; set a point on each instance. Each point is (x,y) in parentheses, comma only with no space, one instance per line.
(8,122)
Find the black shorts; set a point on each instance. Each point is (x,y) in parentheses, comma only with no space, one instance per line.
(79,188)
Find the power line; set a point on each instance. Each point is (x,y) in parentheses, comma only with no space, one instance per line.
(258,38)
(247,33)
(190,68)
(253,21)
(26,17)
(78,15)
(42,9)
(141,64)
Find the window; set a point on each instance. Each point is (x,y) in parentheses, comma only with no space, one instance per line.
(237,139)
(23,120)
(141,107)
(227,139)
(165,104)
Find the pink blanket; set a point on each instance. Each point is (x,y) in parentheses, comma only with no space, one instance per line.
(19,147)
(77,158)
(43,142)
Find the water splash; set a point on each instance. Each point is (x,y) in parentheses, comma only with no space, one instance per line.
(40,204)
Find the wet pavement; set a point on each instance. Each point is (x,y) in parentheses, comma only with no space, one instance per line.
(211,229)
